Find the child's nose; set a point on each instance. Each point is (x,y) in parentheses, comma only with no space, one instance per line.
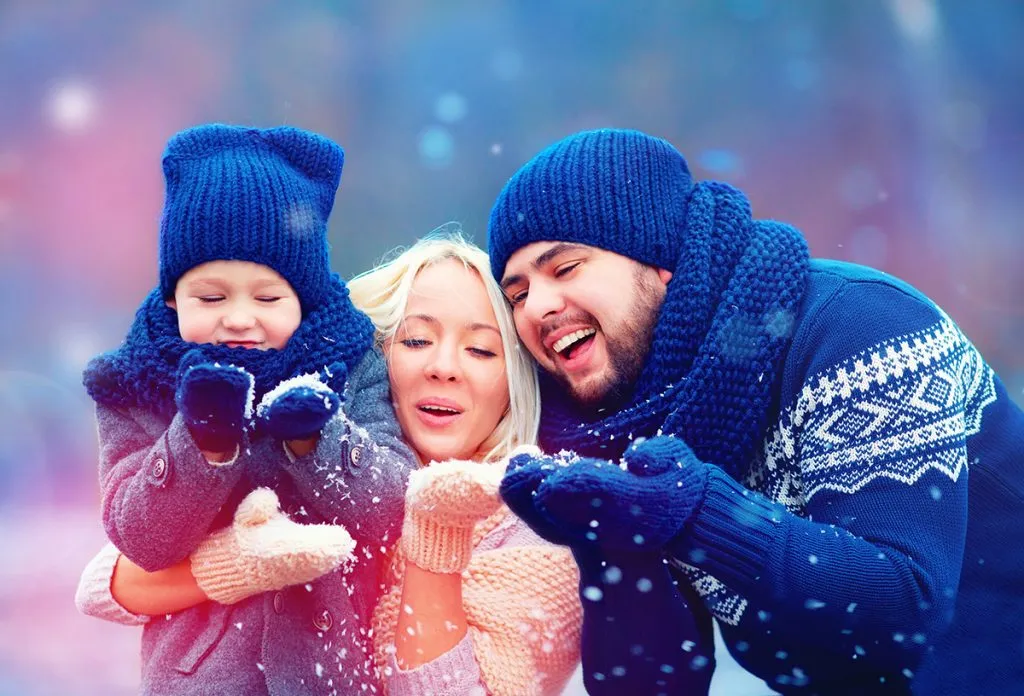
(239,319)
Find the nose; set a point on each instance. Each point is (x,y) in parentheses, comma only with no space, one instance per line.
(542,301)
(239,319)
(444,364)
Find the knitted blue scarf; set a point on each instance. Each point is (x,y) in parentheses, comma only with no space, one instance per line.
(143,371)
(720,338)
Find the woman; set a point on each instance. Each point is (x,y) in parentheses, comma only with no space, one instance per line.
(474,600)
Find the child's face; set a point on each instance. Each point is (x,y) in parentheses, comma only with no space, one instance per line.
(237,304)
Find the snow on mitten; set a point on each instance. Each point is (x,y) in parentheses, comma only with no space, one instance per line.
(263,550)
(443,503)
(297,408)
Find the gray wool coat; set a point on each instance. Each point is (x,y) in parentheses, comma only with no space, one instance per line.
(161,498)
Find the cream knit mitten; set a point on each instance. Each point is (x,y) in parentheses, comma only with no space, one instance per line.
(263,550)
(443,503)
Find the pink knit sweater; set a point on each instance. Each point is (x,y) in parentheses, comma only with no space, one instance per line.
(521,599)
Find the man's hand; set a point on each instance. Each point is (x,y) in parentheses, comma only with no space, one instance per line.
(639,505)
(641,628)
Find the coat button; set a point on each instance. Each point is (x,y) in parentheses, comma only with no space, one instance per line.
(159,469)
(278,602)
(323,621)
(355,455)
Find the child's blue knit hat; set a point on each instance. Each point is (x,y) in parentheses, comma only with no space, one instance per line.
(249,194)
(620,190)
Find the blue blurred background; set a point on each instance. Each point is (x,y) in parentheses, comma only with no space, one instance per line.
(889,131)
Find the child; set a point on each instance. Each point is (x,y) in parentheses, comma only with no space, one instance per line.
(248,311)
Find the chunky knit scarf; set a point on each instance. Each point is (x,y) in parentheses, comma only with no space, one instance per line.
(721,335)
(143,371)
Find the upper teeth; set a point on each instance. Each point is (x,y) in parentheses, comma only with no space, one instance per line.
(444,409)
(568,339)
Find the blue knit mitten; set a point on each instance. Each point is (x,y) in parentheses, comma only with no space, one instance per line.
(215,401)
(642,632)
(299,408)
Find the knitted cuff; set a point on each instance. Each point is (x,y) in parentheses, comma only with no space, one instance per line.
(93,596)
(454,673)
(731,534)
(433,546)
(217,570)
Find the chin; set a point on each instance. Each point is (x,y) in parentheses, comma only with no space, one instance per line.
(590,390)
(442,454)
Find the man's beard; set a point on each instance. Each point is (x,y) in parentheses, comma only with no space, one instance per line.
(627,350)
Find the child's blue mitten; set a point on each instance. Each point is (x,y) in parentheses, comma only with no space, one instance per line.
(299,408)
(215,401)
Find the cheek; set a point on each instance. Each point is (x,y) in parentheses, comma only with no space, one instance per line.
(283,324)
(401,377)
(492,394)
(195,327)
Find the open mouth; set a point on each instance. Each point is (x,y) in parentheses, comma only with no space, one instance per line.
(439,410)
(571,344)
(435,415)
(241,344)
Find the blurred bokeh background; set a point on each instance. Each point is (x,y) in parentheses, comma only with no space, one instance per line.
(889,131)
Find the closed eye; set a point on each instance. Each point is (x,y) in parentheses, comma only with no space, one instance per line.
(482,352)
(415,342)
(567,268)
(267,300)
(516,297)
(210,299)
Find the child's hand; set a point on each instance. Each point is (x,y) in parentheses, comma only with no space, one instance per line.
(297,409)
(215,401)
(444,501)
(263,551)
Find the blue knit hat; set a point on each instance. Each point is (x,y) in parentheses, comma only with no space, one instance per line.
(620,190)
(248,194)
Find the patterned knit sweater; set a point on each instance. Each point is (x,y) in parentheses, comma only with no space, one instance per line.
(889,543)
(522,605)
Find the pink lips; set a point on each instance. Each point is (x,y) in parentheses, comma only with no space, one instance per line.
(438,418)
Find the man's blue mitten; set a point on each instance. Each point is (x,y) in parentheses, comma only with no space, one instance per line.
(642,632)
(299,408)
(639,507)
(214,400)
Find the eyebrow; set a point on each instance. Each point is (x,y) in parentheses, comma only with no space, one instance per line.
(556,250)
(472,326)
(219,282)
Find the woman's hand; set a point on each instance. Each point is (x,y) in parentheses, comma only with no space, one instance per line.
(444,501)
(263,550)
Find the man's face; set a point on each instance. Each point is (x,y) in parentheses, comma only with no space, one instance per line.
(585,314)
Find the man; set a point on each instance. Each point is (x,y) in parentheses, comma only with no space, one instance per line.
(809,451)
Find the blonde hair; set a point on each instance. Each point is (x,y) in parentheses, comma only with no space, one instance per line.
(383,292)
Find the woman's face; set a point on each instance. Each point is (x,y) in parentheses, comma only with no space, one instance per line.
(447,365)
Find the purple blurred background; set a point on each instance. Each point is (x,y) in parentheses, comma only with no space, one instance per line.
(889,131)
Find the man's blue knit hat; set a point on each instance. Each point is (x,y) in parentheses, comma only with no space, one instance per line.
(620,190)
(248,194)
